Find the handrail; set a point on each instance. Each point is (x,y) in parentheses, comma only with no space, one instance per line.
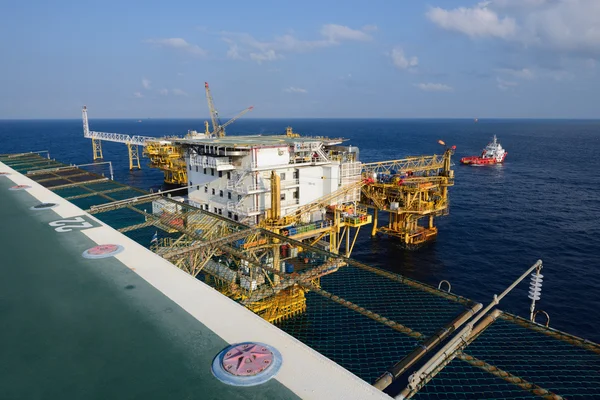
(421,376)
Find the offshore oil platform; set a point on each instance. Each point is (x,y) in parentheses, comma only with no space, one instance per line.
(310,188)
(269,223)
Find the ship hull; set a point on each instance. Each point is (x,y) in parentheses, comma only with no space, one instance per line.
(475,160)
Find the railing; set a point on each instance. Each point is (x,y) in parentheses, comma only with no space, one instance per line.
(237,208)
(413,164)
(210,162)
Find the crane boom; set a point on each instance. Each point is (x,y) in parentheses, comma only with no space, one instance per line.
(221,132)
(214,116)
(218,129)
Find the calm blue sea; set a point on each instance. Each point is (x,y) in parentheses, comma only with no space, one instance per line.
(543,203)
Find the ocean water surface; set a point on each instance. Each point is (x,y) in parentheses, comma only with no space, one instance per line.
(542,203)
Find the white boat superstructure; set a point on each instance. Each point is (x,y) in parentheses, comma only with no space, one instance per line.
(494,150)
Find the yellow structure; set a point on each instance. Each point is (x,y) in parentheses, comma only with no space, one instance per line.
(335,230)
(169,158)
(412,192)
(290,133)
(134,156)
(97,149)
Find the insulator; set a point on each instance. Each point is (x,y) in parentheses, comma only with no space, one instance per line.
(535,293)
(536,285)
(536,298)
(536,276)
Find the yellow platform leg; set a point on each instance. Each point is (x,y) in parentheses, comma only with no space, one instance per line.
(134,156)
(375,220)
(97,149)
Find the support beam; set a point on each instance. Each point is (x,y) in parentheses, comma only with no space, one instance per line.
(97,149)
(134,156)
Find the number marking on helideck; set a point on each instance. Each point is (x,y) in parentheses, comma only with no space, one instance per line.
(67,225)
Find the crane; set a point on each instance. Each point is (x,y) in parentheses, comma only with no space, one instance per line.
(218,128)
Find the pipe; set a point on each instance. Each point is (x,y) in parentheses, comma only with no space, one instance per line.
(411,359)
(419,376)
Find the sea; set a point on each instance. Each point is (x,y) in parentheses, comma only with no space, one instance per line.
(542,203)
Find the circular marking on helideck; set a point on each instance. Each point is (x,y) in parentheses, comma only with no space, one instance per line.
(247,364)
(19,187)
(103,251)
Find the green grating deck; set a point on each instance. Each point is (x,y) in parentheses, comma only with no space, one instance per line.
(363,318)
(361,345)
(520,360)
(460,380)
(421,311)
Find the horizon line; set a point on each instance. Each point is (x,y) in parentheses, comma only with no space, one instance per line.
(479,119)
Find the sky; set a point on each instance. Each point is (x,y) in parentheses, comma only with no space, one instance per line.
(301,59)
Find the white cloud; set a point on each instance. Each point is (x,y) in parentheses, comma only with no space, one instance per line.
(268,55)
(400,60)
(337,33)
(434,87)
(292,89)
(245,46)
(479,21)
(163,92)
(146,83)
(524,73)
(179,92)
(178,44)
(505,85)
(234,52)
(559,26)
(138,95)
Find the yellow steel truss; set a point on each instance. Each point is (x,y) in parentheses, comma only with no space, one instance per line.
(169,158)
(97,149)
(409,191)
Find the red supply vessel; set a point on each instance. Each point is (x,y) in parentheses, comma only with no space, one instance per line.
(492,154)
